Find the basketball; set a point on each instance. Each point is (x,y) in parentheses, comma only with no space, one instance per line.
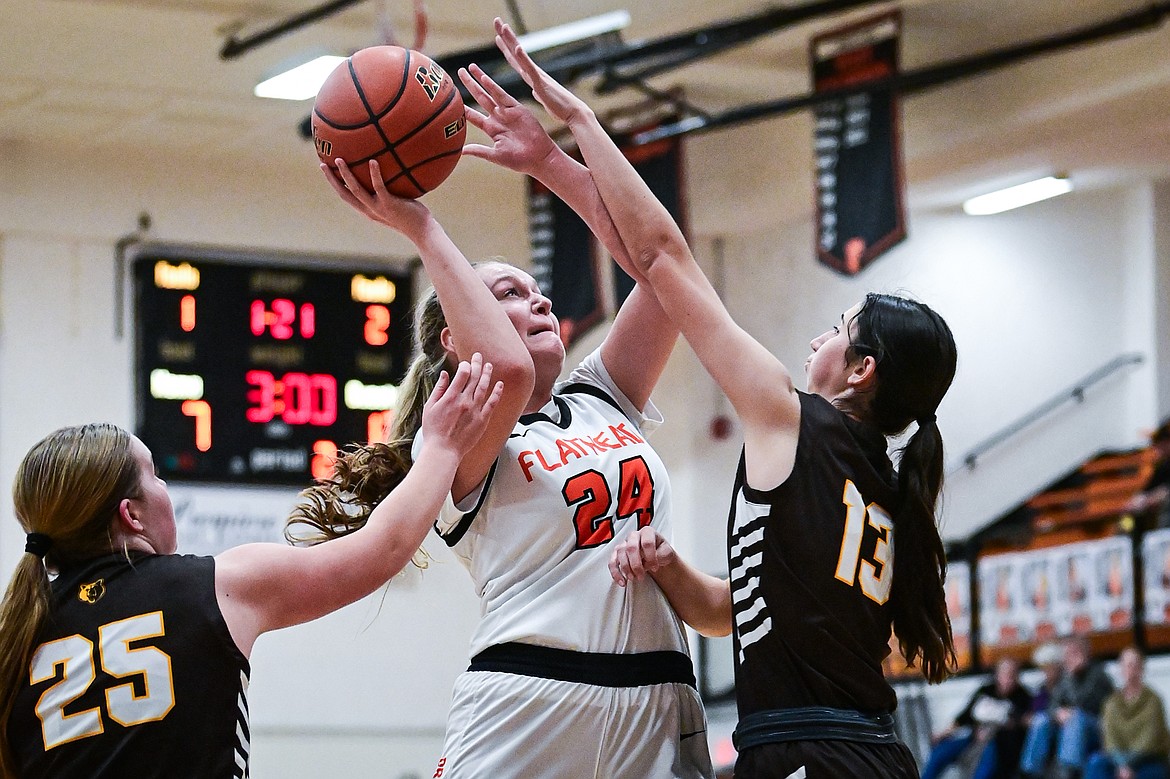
(398,107)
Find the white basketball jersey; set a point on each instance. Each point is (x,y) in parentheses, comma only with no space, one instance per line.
(537,535)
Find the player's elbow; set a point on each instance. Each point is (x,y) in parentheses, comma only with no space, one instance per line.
(715,630)
(517,373)
(665,256)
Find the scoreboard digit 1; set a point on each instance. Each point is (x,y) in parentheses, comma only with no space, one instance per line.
(257,369)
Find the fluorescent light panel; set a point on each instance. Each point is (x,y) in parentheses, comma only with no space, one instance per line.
(302,82)
(1019,195)
(575,31)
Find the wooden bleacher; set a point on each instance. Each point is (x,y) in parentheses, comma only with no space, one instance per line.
(1092,502)
(1107,484)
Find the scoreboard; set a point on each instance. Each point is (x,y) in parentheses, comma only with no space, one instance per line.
(257,369)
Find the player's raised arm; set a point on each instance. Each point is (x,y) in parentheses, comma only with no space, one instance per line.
(470,311)
(758,385)
(639,343)
(262,587)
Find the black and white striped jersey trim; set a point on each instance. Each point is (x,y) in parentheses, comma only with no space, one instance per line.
(745,560)
(243,746)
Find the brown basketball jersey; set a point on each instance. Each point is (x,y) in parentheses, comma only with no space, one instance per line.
(134,674)
(811,563)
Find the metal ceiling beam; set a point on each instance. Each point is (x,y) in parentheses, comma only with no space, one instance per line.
(625,65)
(909,82)
(641,61)
(234,47)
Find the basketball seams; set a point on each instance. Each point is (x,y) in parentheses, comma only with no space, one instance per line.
(425,133)
(419,164)
(376,120)
(427,122)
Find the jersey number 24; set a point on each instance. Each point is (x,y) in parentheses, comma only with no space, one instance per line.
(591,494)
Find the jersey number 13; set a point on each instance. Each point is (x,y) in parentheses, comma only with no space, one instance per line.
(874,573)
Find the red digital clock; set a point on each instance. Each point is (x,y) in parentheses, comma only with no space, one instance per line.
(258,368)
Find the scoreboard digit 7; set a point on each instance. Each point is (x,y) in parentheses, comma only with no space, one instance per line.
(257,369)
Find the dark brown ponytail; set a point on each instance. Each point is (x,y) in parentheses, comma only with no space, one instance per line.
(916,360)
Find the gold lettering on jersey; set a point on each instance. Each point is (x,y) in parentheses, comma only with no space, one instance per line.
(92,592)
(613,437)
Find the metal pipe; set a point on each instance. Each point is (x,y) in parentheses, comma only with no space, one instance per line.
(234,46)
(913,81)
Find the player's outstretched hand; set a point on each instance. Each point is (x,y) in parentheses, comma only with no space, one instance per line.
(556,99)
(458,409)
(641,552)
(404,215)
(519,142)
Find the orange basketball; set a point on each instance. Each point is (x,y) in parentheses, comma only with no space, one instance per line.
(394,105)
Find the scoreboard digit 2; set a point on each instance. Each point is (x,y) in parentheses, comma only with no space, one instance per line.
(257,369)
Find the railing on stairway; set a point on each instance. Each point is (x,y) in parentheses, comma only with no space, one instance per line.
(1075,392)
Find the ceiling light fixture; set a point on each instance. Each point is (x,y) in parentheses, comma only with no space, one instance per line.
(580,30)
(300,83)
(304,81)
(1019,195)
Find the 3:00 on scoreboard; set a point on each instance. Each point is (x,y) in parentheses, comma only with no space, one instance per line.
(257,369)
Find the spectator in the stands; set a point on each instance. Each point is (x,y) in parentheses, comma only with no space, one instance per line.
(992,724)
(1136,743)
(1049,658)
(1068,731)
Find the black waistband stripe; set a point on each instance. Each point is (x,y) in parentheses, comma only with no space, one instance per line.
(813,723)
(596,668)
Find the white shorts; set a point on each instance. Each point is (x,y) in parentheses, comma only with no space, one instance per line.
(505,726)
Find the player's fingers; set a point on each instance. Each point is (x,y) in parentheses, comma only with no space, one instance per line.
(461,378)
(515,54)
(648,548)
(632,558)
(379,187)
(615,570)
(337,184)
(477,119)
(474,373)
(480,151)
(514,60)
(475,89)
(484,385)
(440,387)
(498,94)
(493,400)
(342,173)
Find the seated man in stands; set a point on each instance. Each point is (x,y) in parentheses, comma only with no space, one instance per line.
(1133,728)
(1071,722)
(992,722)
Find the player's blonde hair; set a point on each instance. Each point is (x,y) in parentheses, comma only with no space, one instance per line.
(67,488)
(364,474)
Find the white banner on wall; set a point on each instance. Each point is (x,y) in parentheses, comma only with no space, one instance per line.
(211,519)
(1001,615)
(1156,572)
(1041,594)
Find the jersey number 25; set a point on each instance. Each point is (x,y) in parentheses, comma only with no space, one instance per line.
(75,656)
